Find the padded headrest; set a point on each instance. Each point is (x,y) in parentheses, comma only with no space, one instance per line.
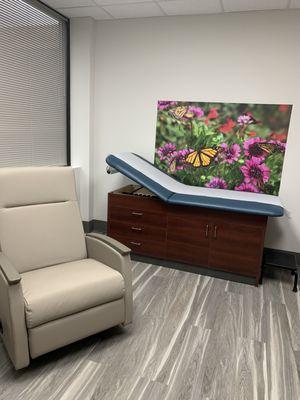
(36,185)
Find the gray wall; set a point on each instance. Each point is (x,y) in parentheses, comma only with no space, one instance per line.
(238,57)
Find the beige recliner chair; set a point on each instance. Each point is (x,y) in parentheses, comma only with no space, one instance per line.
(56,284)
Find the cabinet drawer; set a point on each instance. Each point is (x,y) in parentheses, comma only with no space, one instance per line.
(143,247)
(137,216)
(137,231)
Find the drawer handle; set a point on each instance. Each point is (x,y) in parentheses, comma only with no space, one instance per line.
(137,213)
(135,228)
(136,243)
(215,232)
(206,231)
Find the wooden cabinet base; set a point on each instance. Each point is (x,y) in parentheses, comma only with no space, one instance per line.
(220,240)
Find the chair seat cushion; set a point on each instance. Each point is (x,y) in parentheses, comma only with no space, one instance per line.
(54,292)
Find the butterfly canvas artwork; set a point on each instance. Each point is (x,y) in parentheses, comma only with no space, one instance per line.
(233,146)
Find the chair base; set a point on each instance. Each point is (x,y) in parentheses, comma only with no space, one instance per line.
(63,331)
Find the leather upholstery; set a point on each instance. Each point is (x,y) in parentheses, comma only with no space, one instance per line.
(55,292)
(55,235)
(102,251)
(12,317)
(11,275)
(113,243)
(63,331)
(51,294)
(36,185)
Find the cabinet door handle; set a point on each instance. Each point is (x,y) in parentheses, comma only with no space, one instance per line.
(206,231)
(136,243)
(135,228)
(215,232)
(137,213)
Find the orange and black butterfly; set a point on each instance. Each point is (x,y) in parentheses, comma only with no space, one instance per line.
(181,112)
(267,148)
(201,158)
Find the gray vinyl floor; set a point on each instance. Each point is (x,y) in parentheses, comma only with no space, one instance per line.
(193,338)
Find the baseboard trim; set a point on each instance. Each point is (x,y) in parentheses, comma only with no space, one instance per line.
(194,269)
(99,226)
(88,226)
(95,225)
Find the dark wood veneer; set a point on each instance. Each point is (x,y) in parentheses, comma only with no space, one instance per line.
(222,240)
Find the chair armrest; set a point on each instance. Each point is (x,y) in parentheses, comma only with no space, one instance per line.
(11,274)
(113,243)
(117,256)
(13,329)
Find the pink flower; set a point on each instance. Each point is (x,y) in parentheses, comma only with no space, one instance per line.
(246,119)
(165,151)
(197,111)
(247,187)
(163,104)
(176,160)
(229,154)
(252,149)
(255,173)
(216,183)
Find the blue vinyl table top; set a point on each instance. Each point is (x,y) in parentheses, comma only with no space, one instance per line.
(147,175)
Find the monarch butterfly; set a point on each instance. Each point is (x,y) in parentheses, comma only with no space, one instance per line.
(180,112)
(201,158)
(268,148)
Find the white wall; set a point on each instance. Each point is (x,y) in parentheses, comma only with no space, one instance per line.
(82,110)
(247,57)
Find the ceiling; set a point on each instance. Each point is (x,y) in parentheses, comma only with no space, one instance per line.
(117,9)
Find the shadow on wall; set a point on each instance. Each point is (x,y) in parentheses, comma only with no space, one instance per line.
(276,234)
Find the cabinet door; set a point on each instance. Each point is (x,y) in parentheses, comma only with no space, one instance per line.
(188,239)
(236,247)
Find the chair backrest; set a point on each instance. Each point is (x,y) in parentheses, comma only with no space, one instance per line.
(40,223)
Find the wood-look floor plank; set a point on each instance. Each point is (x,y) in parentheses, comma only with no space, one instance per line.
(297,359)
(45,374)
(252,309)
(182,374)
(145,389)
(283,380)
(177,310)
(208,295)
(250,375)
(271,286)
(219,361)
(292,303)
(5,364)
(82,386)
(152,339)
(142,273)
(193,338)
